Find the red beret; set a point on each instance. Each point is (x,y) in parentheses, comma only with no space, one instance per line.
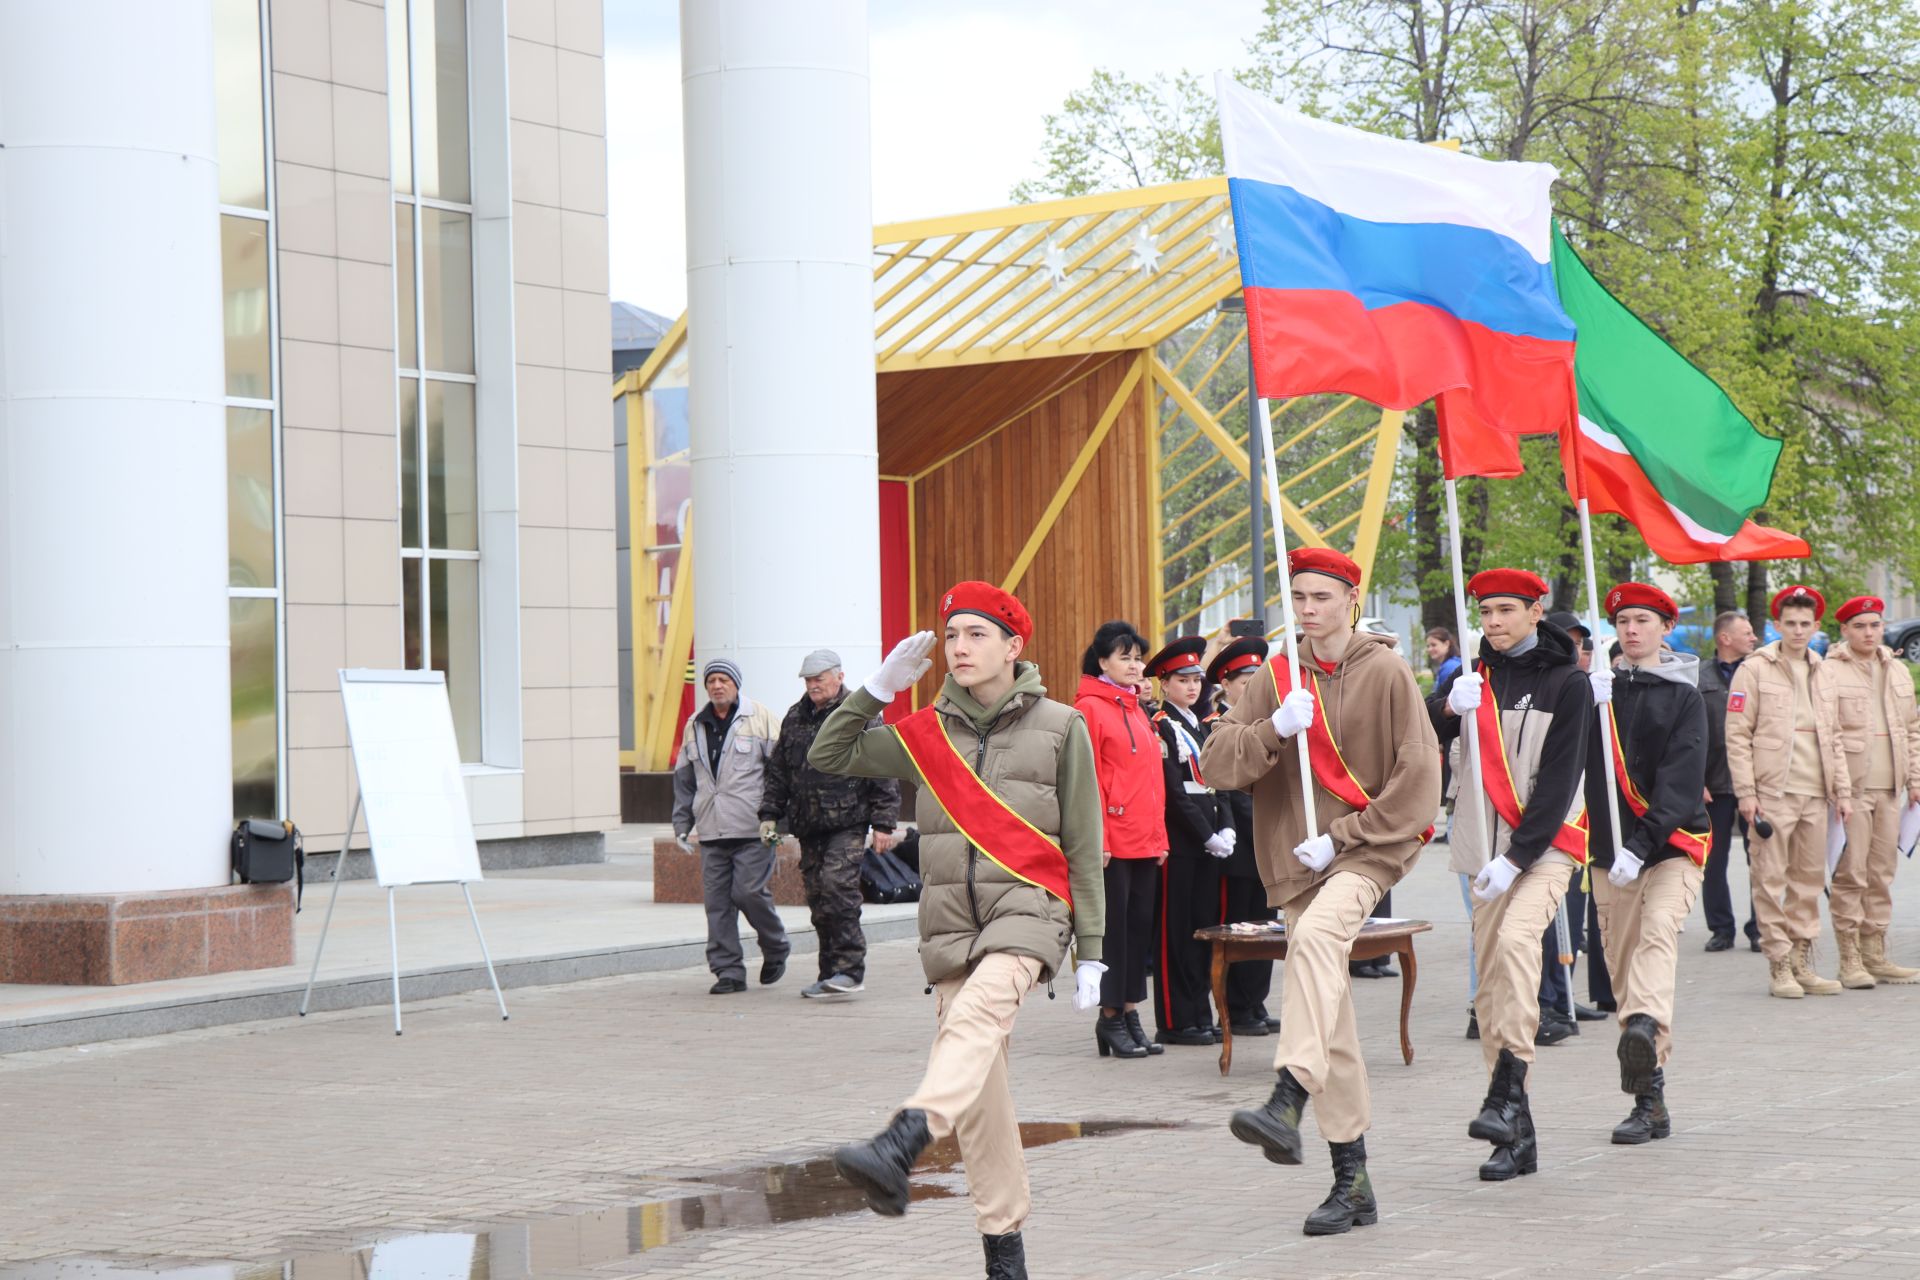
(1507,582)
(1323,560)
(1799,594)
(1638,595)
(1859,605)
(991,603)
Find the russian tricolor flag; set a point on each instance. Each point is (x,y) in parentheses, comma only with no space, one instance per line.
(1399,273)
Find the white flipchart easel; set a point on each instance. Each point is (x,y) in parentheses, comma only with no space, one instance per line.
(407,766)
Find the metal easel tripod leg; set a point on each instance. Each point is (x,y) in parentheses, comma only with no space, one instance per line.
(339,866)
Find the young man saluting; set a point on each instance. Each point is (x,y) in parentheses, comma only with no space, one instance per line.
(1659,746)
(1010,825)
(1522,835)
(1376,770)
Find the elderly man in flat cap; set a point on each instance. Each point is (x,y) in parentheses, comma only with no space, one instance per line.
(830,815)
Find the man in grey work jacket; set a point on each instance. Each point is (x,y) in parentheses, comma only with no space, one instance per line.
(717,785)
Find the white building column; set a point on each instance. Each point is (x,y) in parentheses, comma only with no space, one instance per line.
(780,336)
(115,740)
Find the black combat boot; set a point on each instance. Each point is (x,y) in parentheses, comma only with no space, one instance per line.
(1006,1256)
(1275,1127)
(1649,1119)
(1639,1053)
(880,1167)
(1506,1093)
(1350,1203)
(1522,1155)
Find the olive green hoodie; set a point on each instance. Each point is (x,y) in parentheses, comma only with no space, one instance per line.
(1036,755)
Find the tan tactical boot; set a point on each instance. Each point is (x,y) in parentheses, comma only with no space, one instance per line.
(1873,957)
(1810,982)
(1853,975)
(1780,975)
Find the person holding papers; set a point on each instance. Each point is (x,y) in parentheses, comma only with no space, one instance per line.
(1357,713)
(1010,839)
(1880,729)
(1657,735)
(1522,835)
(1789,769)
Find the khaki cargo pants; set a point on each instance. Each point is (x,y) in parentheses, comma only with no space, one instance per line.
(1640,930)
(1319,1041)
(1863,882)
(965,1090)
(1506,945)
(1789,871)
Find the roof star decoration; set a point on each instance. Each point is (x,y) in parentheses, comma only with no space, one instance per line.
(1221,233)
(1054,259)
(1143,252)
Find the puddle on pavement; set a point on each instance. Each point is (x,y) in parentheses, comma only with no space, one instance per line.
(688,1201)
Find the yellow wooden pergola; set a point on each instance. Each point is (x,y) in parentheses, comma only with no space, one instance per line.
(998,313)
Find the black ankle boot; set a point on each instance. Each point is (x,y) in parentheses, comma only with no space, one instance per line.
(1275,1127)
(880,1167)
(1139,1033)
(1649,1119)
(1350,1203)
(1111,1036)
(1639,1053)
(1520,1156)
(1006,1256)
(1505,1092)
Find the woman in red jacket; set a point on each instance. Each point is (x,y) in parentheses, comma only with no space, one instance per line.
(1126,753)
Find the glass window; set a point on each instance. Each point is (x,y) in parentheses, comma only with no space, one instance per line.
(256,703)
(399,96)
(452,474)
(411,567)
(446,241)
(410,462)
(238,105)
(440,75)
(454,592)
(406,329)
(243,274)
(250,497)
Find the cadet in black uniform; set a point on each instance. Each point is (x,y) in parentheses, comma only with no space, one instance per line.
(1244,896)
(1200,837)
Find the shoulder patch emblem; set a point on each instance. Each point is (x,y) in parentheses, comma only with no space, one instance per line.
(1737,701)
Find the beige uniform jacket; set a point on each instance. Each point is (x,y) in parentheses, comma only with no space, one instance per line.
(1853,682)
(1760,719)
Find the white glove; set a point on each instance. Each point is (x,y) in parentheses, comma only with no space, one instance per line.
(1316,853)
(1086,984)
(1602,680)
(681,839)
(1495,879)
(1295,713)
(1625,869)
(1464,697)
(903,667)
(1220,843)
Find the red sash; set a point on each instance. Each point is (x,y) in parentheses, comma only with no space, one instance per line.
(1323,753)
(1571,838)
(990,825)
(1691,843)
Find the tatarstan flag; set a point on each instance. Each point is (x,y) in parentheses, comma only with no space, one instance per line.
(1658,441)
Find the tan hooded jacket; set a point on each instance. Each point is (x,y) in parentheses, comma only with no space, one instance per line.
(1380,724)
(1760,716)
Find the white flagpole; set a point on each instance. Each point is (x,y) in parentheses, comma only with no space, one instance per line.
(1606,721)
(1469,731)
(1265,426)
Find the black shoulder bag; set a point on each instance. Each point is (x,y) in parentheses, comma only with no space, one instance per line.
(270,853)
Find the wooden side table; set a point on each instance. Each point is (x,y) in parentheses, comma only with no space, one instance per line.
(1377,938)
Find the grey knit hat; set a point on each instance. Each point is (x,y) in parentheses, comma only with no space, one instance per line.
(725,668)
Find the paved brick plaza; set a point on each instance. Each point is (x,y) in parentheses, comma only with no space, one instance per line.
(1796,1149)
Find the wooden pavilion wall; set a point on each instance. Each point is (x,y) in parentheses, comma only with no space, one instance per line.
(975,513)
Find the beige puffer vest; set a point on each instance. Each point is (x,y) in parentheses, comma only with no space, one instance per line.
(969,906)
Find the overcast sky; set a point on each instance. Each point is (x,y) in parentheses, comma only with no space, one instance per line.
(960,88)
